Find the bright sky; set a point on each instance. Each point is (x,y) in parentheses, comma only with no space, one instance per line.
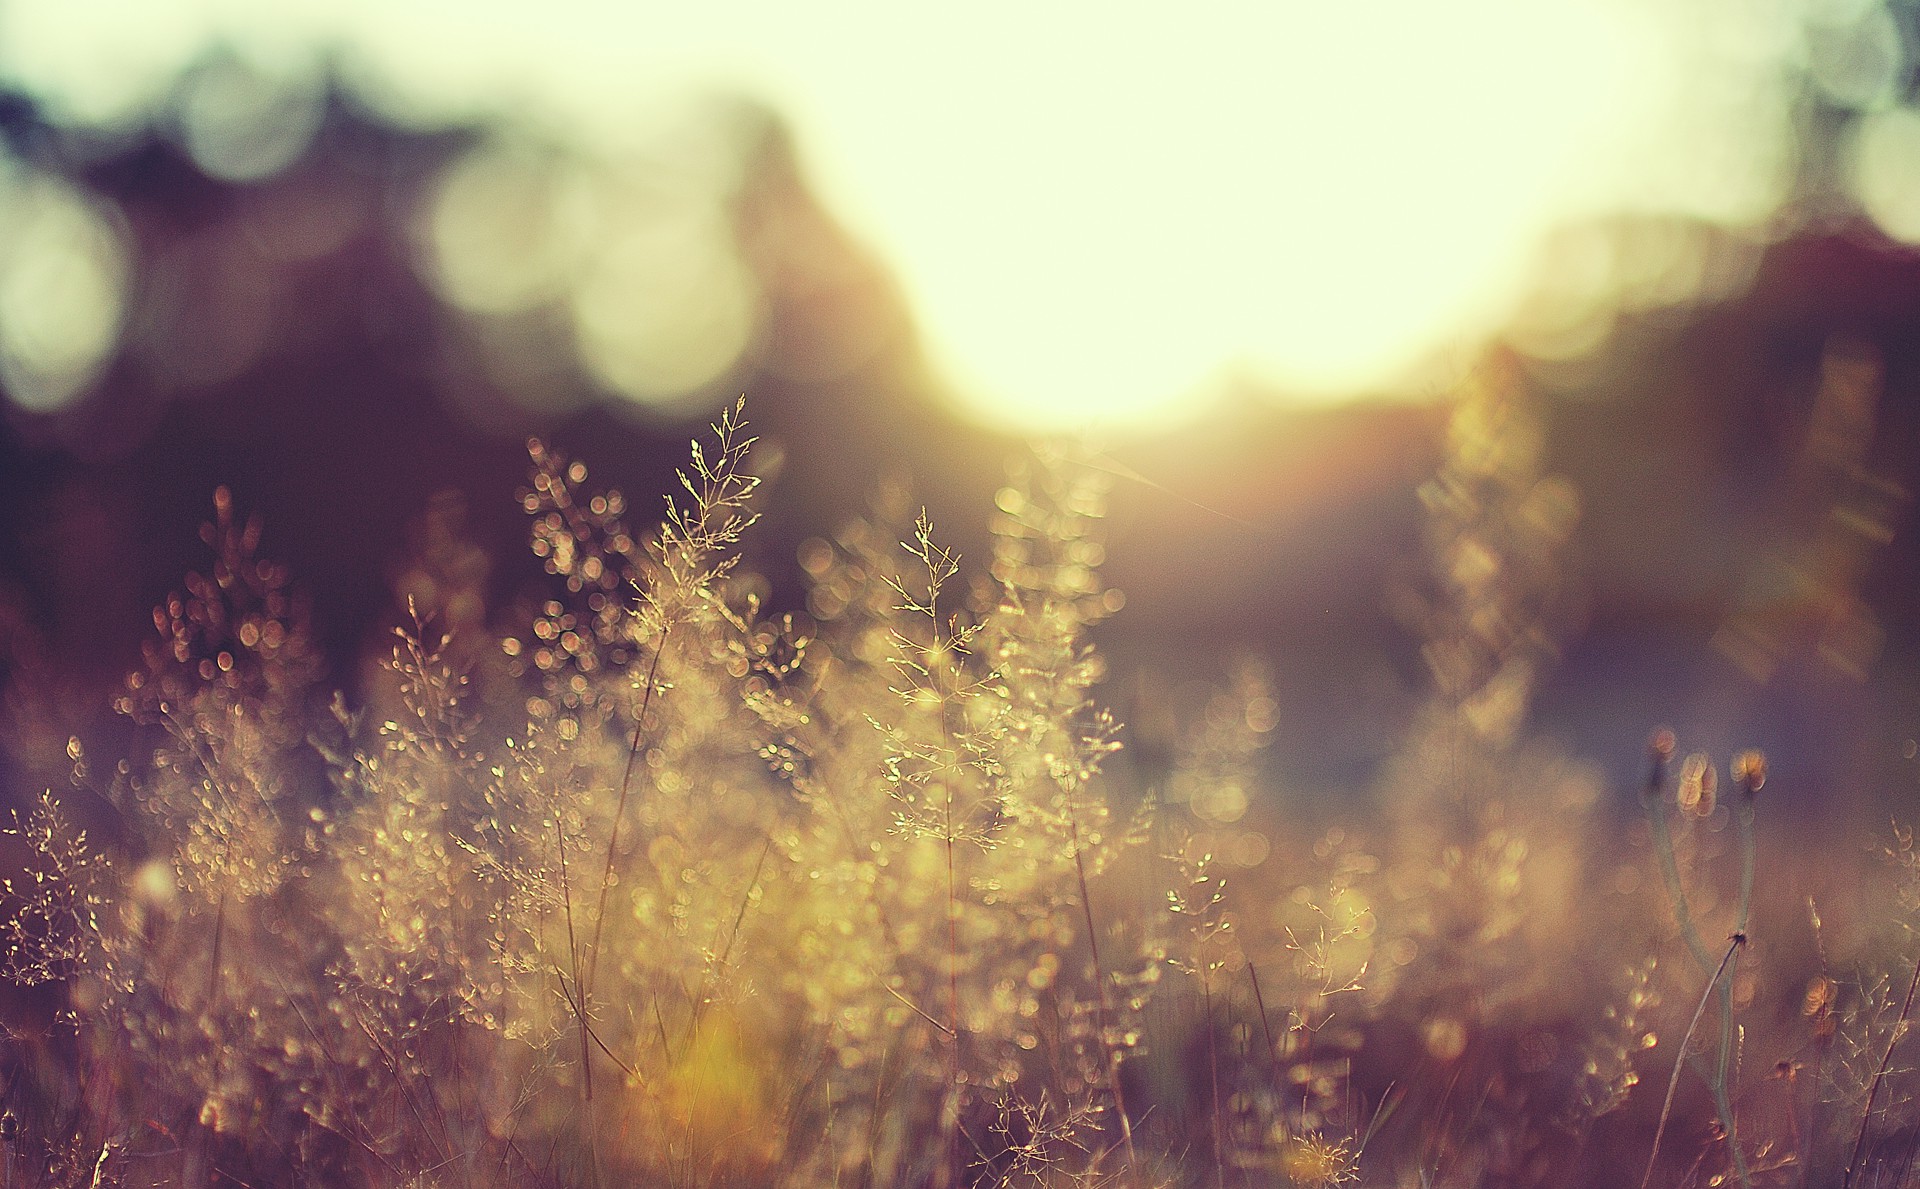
(1099,210)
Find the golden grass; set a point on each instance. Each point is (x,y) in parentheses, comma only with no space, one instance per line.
(676,891)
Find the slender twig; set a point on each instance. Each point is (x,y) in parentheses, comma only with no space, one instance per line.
(915,1008)
(1664,848)
(953,989)
(1103,1006)
(1723,1092)
(619,812)
(1213,1081)
(213,960)
(1676,892)
(1673,1083)
(397,1070)
(579,1001)
(333,1063)
(1879,1075)
(713,977)
(1266,1029)
(570,994)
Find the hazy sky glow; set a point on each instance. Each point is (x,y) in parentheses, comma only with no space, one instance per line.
(1097,215)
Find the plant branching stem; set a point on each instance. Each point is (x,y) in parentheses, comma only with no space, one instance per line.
(1879,1075)
(1676,892)
(1673,1083)
(714,976)
(1703,957)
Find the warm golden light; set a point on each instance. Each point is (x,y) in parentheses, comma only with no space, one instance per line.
(1316,194)
(640,257)
(1886,171)
(1099,216)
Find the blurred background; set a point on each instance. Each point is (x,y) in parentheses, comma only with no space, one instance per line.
(345,257)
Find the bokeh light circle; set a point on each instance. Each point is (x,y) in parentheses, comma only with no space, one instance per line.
(1886,171)
(63,272)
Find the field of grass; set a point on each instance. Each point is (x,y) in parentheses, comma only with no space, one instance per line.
(674,890)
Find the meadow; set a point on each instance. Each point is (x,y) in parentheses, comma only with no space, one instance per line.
(674,889)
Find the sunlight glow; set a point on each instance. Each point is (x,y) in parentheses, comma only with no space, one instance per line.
(62,271)
(1886,171)
(660,306)
(1099,214)
(1315,195)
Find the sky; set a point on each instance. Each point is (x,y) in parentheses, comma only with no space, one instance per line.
(1102,214)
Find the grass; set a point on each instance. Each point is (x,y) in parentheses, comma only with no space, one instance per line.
(669,889)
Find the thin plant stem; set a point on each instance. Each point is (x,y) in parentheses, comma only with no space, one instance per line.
(578,999)
(1266,1029)
(1213,1083)
(201,1137)
(953,995)
(1722,1097)
(712,978)
(1103,1006)
(1743,819)
(1723,1092)
(1879,1075)
(1677,895)
(619,812)
(213,960)
(1676,892)
(1673,1083)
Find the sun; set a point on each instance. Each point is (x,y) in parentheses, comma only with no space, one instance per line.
(1109,217)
